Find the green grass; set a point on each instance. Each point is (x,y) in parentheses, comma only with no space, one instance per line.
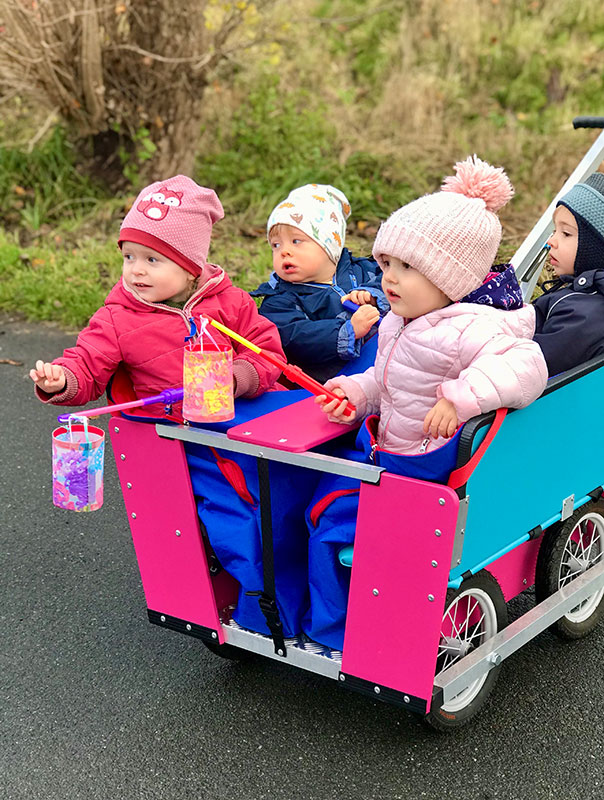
(379,103)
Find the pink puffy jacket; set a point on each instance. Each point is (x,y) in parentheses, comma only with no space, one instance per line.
(478,357)
(147,340)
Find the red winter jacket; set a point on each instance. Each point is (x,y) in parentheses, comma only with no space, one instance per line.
(147,340)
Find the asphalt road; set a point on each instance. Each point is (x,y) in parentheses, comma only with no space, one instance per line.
(97,703)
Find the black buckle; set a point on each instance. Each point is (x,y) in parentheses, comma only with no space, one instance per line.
(268,606)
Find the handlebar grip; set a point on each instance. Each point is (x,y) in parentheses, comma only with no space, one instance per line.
(588,122)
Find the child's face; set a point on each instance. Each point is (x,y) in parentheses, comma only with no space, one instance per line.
(563,242)
(409,293)
(297,258)
(152,276)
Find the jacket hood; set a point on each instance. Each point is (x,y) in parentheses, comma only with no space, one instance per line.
(212,281)
(588,281)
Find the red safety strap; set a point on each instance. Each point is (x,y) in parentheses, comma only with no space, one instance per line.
(324,503)
(460,476)
(233,474)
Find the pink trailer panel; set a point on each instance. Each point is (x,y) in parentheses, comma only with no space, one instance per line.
(402,557)
(516,570)
(165,529)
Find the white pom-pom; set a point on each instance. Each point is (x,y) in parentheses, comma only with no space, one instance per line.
(476,178)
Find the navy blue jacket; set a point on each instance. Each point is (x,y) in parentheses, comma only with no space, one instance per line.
(316,332)
(570,320)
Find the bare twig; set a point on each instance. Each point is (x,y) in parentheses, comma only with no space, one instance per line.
(50,120)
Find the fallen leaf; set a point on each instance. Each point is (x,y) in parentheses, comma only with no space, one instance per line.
(11,362)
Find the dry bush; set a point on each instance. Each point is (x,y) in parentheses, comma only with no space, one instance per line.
(131,74)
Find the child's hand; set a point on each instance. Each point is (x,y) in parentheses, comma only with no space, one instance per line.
(334,408)
(363,320)
(361,297)
(441,420)
(49,377)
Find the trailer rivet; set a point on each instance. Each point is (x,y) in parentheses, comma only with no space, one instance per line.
(458,562)
(434,563)
(177,532)
(247,433)
(377,689)
(133,515)
(129,486)
(441,501)
(117,430)
(342,677)
(431,597)
(162,618)
(462,531)
(260,454)
(376,592)
(524,581)
(214,635)
(495,659)
(123,457)
(188,626)
(438,532)
(406,698)
(282,440)
(279,652)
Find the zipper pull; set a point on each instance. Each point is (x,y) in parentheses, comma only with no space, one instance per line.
(372,454)
(424,445)
(193,331)
(400,330)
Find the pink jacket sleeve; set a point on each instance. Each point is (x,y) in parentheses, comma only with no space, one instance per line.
(89,364)
(254,374)
(498,370)
(362,391)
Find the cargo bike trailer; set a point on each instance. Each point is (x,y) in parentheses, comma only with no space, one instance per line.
(434,566)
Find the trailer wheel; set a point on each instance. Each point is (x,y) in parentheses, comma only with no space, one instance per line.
(228,651)
(567,551)
(473,614)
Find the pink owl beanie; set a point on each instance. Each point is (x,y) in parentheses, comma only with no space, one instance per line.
(320,211)
(451,236)
(174,217)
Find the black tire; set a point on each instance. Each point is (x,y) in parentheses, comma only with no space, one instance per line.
(568,549)
(228,651)
(490,604)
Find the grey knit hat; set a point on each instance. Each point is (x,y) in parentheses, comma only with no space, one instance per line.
(585,201)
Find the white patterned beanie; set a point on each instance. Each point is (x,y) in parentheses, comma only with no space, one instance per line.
(175,218)
(451,236)
(318,210)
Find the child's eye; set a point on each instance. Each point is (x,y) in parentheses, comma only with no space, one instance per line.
(152,260)
(274,245)
(385,262)
(297,241)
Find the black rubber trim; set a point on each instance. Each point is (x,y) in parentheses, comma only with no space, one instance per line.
(596,493)
(535,533)
(385,694)
(588,122)
(182,626)
(467,574)
(572,374)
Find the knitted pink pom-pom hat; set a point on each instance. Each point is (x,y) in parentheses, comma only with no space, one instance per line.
(451,236)
(175,218)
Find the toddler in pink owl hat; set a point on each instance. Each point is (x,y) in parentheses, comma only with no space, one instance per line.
(167,285)
(441,361)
